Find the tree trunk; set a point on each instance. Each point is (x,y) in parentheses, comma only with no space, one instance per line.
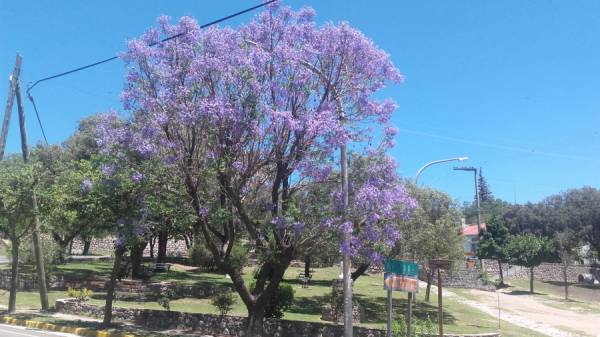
(14,276)
(428,289)
(137,254)
(71,248)
(531,280)
(255,322)
(110,289)
(501,275)
(360,270)
(256,311)
(307,266)
(87,243)
(163,239)
(152,244)
(566,283)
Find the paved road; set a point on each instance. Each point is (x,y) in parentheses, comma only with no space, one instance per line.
(17,331)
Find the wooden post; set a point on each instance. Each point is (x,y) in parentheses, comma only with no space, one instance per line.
(389,313)
(440,313)
(409,314)
(9,104)
(37,249)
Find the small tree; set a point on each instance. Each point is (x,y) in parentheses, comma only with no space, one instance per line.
(433,231)
(566,243)
(492,243)
(223,300)
(529,251)
(16,181)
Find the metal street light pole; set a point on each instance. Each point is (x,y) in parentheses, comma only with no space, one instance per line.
(346,262)
(474,170)
(436,162)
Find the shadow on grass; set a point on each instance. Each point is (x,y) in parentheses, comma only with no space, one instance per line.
(375,311)
(308,305)
(313,283)
(523,292)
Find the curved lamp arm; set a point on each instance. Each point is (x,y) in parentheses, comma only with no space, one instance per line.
(436,162)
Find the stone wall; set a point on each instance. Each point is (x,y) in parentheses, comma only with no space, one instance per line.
(544,272)
(141,289)
(105,246)
(459,276)
(230,326)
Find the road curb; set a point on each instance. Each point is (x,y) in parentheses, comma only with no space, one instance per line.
(85,332)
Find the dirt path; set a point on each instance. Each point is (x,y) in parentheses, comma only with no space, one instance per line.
(529,312)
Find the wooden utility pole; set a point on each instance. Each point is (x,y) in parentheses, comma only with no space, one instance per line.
(12,89)
(440,311)
(15,91)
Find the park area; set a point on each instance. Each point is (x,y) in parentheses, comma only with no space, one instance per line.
(307,304)
(466,311)
(235,173)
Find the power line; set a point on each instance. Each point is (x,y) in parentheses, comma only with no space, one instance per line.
(31,86)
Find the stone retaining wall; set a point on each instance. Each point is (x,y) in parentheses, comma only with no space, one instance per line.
(544,272)
(460,276)
(106,245)
(143,289)
(230,326)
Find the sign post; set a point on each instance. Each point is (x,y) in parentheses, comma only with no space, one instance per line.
(400,275)
(439,265)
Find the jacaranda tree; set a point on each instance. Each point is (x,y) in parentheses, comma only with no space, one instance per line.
(249,119)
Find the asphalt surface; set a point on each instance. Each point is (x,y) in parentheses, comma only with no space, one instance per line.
(17,331)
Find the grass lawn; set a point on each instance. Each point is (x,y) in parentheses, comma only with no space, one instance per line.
(368,290)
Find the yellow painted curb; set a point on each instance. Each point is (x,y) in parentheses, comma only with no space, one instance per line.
(57,328)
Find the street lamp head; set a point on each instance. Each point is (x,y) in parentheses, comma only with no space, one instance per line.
(465,168)
(463,158)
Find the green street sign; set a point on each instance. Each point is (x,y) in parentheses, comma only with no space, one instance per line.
(401,267)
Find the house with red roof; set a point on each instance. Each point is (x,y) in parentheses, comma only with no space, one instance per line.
(471,238)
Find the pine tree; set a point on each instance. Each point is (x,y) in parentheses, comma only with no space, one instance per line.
(485,194)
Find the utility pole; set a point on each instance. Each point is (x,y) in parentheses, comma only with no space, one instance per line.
(474,170)
(15,91)
(12,89)
(348,330)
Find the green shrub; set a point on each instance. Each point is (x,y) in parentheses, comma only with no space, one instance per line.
(52,253)
(399,327)
(165,297)
(239,256)
(280,301)
(420,327)
(426,327)
(82,294)
(200,256)
(223,300)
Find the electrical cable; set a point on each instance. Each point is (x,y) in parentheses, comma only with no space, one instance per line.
(31,86)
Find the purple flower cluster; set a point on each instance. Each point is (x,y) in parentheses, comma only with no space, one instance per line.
(86,185)
(265,97)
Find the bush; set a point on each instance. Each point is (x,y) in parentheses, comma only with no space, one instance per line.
(420,327)
(399,327)
(239,256)
(280,301)
(52,253)
(82,294)
(223,300)
(164,300)
(200,256)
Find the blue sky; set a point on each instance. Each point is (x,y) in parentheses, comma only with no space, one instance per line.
(514,85)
